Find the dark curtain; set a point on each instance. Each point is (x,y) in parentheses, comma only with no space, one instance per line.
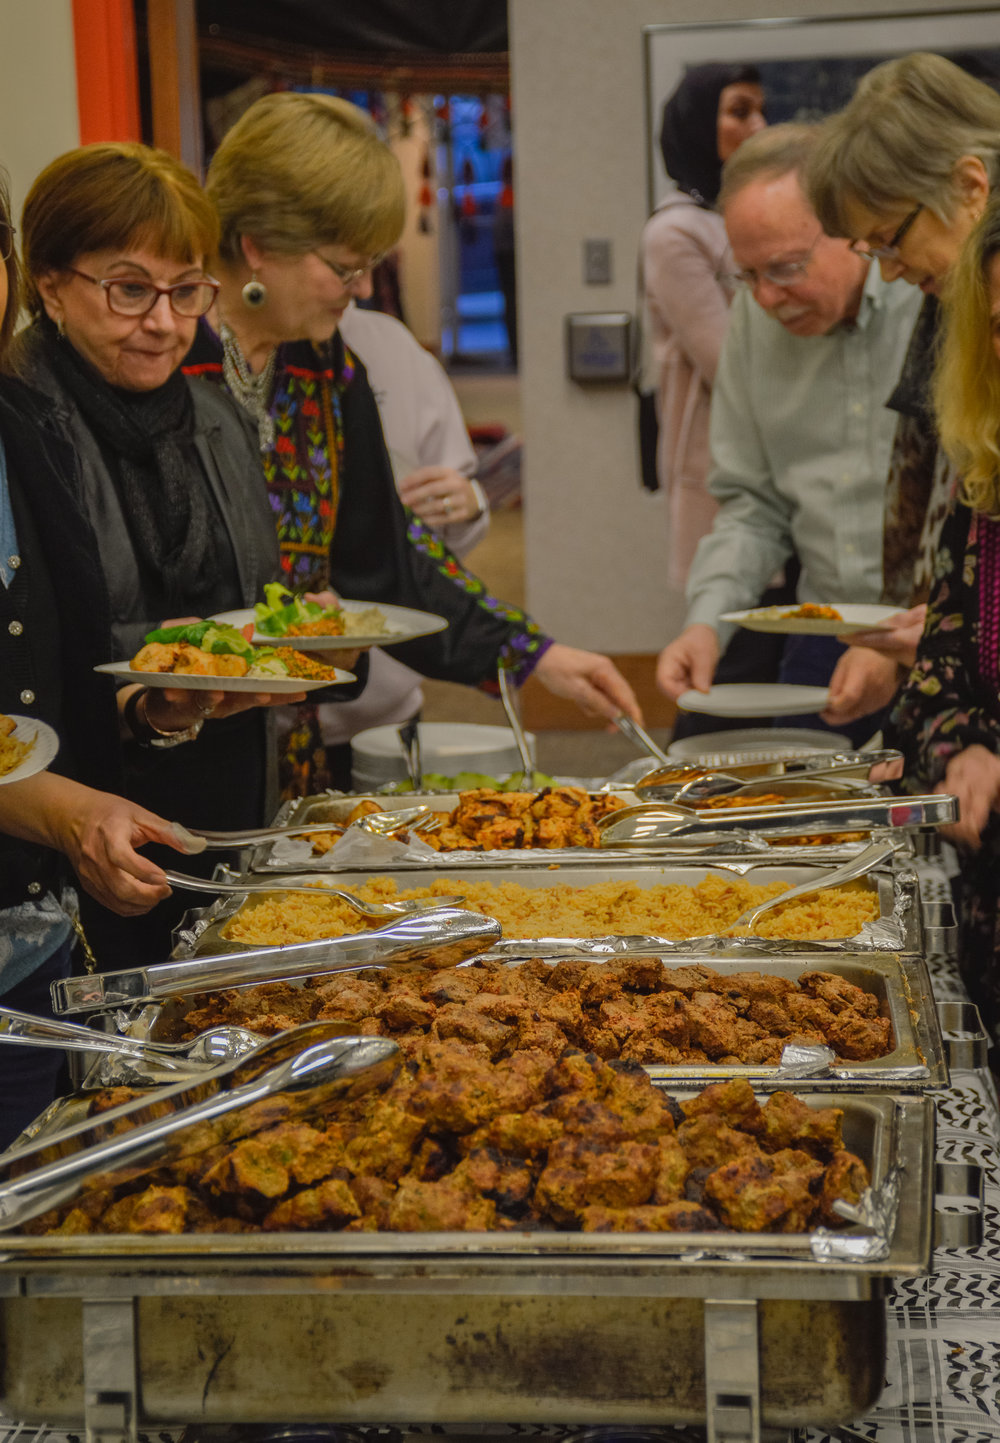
(443,26)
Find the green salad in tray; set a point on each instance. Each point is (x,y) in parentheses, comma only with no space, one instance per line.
(470,781)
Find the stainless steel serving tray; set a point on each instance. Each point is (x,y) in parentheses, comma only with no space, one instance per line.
(898,927)
(295,855)
(465,1328)
(901,985)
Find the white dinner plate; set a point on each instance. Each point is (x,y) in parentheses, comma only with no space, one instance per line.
(756,699)
(185,681)
(46,741)
(403,624)
(777,619)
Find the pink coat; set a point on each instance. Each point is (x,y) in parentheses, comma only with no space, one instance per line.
(684,256)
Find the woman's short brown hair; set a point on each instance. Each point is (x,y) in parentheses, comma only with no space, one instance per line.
(9,318)
(298,171)
(120,196)
(899,139)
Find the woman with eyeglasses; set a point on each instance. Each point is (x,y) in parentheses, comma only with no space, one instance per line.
(905,171)
(115,240)
(947,717)
(299,240)
(54,627)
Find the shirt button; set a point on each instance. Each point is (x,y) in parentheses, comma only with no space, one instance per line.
(27,696)
(15,628)
(34,888)
(13,562)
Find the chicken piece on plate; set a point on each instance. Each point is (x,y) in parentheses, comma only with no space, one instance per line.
(672,1171)
(790,1122)
(838,993)
(507,1181)
(846,1177)
(579,1173)
(523,1134)
(385,1145)
(373,1196)
(709,1142)
(440,1207)
(733,1101)
(328,1206)
(470,1024)
(750,1198)
(157,1210)
(859,1038)
(672,1217)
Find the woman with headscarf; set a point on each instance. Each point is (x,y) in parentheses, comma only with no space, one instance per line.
(685,265)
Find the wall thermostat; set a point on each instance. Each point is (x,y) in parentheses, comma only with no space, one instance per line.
(598,346)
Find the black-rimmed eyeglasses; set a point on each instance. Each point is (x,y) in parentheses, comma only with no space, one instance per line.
(188,299)
(777,273)
(889,251)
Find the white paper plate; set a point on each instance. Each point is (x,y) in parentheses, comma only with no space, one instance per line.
(753,699)
(752,744)
(184,681)
(403,622)
(46,741)
(777,619)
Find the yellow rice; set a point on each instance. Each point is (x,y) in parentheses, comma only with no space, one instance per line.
(675,911)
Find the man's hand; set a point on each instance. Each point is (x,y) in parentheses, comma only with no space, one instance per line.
(98,832)
(439,495)
(689,662)
(899,641)
(591,680)
(973,776)
(863,681)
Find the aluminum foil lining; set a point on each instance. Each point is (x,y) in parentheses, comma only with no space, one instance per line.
(875,1212)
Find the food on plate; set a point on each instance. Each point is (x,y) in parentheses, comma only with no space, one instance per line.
(459,1143)
(12,751)
(284,614)
(642,1009)
(674,911)
(210,648)
(812,611)
(486,819)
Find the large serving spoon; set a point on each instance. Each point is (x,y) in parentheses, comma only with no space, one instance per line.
(317,885)
(858,866)
(526,781)
(641,737)
(208,1049)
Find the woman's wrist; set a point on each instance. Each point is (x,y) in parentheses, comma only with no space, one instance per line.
(146,731)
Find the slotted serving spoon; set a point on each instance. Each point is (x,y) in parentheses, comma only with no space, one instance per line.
(858,866)
(314,884)
(208,1049)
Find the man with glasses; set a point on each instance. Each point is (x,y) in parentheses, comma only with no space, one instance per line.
(799,432)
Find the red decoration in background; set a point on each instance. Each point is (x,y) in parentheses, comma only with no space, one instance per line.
(426,196)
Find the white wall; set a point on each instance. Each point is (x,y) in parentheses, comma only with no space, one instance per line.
(38,115)
(594,541)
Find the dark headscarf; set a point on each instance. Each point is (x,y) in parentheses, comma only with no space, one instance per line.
(689,132)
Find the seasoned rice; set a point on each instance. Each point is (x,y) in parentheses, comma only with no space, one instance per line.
(675,911)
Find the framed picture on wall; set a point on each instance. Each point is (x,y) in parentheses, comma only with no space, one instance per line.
(809,67)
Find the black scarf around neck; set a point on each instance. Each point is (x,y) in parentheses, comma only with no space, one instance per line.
(149,438)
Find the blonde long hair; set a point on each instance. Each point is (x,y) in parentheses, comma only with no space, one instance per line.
(967,375)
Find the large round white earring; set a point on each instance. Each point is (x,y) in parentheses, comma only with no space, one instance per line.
(254,293)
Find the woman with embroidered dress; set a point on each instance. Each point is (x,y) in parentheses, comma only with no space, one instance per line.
(309,197)
(947,717)
(115,242)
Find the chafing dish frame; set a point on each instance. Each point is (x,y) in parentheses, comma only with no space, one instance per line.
(143,1326)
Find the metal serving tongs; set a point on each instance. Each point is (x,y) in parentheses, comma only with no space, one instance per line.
(208,1049)
(313,1065)
(697,780)
(203,840)
(662,824)
(309,882)
(526,782)
(445,937)
(859,866)
(642,739)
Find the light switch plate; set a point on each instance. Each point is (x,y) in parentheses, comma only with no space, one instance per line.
(598,346)
(597,262)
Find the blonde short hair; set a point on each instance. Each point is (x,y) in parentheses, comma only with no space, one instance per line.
(298,171)
(114,196)
(778,150)
(899,139)
(967,375)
